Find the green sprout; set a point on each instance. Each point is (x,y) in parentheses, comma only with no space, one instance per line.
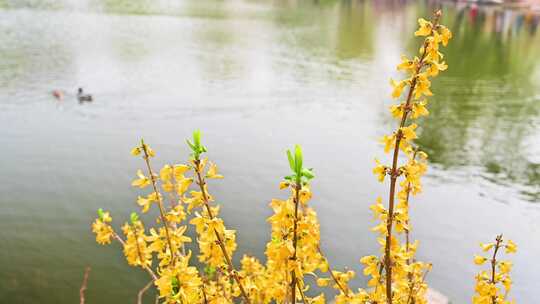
(134,217)
(196,147)
(100,213)
(300,174)
(210,271)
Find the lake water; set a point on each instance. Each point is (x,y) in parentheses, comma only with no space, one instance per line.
(258,77)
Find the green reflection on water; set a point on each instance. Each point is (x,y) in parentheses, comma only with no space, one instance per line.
(487,103)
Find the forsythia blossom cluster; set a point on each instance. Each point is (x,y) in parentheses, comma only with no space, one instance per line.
(102,228)
(493,286)
(179,192)
(181,195)
(396,277)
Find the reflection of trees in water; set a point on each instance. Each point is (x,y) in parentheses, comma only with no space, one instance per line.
(355,29)
(127,6)
(42,4)
(487,105)
(504,22)
(483,123)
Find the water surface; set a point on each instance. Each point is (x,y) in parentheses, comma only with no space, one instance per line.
(257,78)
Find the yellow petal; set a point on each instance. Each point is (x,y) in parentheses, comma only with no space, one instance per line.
(479,260)
(136,151)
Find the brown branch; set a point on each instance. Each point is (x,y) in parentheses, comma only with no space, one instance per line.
(498,241)
(297,188)
(393,179)
(221,243)
(394,173)
(142,291)
(338,283)
(84,284)
(160,202)
(381,267)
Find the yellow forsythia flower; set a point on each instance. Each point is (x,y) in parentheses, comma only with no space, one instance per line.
(479,260)
(212,171)
(511,247)
(425,27)
(142,181)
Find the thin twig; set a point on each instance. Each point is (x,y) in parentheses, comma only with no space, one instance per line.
(142,291)
(498,241)
(412,286)
(176,200)
(84,284)
(221,243)
(219,273)
(139,252)
(302,293)
(338,283)
(204,294)
(340,286)
(298,188)
(160,202)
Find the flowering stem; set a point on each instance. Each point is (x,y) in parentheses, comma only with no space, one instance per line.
(175,201)
(220,284)
(160,202)
(394,172)
(345,289)
(407,230)
(340,286)
(221,243)
(174,197)
(298,187)
(407,237)
(148,269)
(301,293)
(411,299)
(498,241)
(393,179)
(139,253)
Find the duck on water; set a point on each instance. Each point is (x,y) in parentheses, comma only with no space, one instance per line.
(82,97)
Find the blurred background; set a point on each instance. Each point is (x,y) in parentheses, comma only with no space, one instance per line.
(257,77)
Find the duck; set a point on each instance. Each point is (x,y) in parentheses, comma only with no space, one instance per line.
(83,97)
(58,94)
